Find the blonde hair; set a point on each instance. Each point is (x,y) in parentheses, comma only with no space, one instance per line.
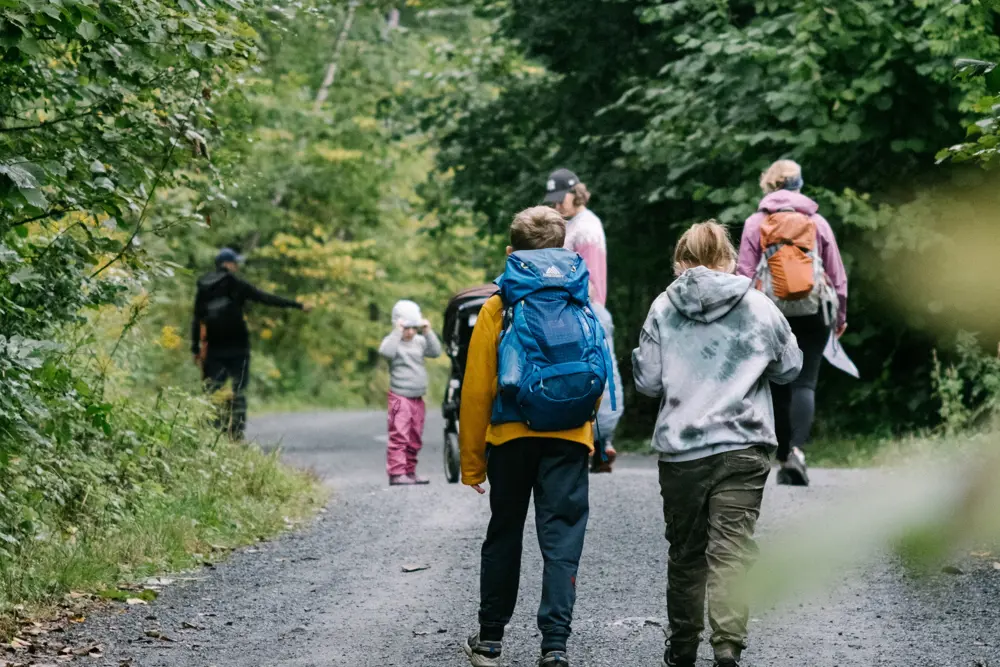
(778,174)
(536,228)
(705,244)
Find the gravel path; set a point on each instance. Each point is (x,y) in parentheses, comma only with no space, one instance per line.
(335,593)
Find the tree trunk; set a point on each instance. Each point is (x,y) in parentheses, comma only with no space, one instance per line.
(331,71)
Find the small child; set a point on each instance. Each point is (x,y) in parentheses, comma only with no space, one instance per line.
(410,341)
(544,293)
(709,347)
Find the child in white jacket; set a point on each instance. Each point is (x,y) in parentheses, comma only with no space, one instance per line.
(406,347)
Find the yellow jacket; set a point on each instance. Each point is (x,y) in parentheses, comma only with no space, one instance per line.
(479,389)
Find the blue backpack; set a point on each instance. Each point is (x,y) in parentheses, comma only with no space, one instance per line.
(552,358)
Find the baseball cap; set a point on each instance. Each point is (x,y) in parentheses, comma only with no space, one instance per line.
(560,182)
(228,255)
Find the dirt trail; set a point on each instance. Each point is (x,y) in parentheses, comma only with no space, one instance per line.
(335,594)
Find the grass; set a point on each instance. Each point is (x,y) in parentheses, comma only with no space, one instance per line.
(245,496)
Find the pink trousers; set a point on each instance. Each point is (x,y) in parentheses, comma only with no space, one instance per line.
(406,431)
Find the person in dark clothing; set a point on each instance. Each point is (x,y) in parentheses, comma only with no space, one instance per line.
(220,340)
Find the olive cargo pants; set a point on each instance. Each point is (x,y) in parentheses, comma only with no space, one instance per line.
(711,506)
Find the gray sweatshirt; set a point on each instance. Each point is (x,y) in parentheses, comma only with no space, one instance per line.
(407,375)
(709,348)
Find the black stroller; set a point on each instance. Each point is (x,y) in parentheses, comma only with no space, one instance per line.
(459,319)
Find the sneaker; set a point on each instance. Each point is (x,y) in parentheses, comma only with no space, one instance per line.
(793,472)
(400,480)
(670,659)
(554,659)
(417,480)
(482,653)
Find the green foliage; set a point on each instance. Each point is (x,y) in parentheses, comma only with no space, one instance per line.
(675,123)
(98,98)
(982,134)
(328,204)
(106,106)
(969,387)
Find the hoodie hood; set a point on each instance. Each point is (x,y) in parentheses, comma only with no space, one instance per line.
(704,295)
(213,278)
(529,271)
(788,199)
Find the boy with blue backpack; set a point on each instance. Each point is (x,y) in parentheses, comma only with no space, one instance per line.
(537,366)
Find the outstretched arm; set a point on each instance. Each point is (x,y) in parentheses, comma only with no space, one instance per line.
(252,293)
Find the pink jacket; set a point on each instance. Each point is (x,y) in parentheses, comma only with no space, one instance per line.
(585,236)
(750,250)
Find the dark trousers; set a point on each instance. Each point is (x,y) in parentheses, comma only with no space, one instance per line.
(710,507)
(556,472)
(795,403)
(234,366)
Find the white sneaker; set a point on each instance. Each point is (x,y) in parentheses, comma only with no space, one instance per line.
(794,471)
(482,653)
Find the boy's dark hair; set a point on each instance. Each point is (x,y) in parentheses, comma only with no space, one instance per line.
(536,228)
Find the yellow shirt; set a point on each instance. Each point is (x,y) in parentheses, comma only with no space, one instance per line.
(479,389)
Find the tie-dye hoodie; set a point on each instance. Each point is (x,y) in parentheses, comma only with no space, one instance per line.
(709,347)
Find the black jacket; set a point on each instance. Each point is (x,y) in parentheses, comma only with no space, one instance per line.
(219,306)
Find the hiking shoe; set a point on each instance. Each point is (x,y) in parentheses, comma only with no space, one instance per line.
(400,480)
(671,659)
(554,659)
(793,472)
(725,662)
(603,457)
(482,653)
(417,480)
(598,466)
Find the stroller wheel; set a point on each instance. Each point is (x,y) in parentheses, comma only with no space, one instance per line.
(451,464)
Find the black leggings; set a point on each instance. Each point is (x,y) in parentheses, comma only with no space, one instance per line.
(795,403)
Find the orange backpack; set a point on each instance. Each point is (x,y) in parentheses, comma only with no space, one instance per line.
(790,270)
(788,241)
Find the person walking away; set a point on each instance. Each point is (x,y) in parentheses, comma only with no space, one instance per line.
(708,348)
(530,433)
(585,236)
(411,340)
(790,252)
(220,340)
